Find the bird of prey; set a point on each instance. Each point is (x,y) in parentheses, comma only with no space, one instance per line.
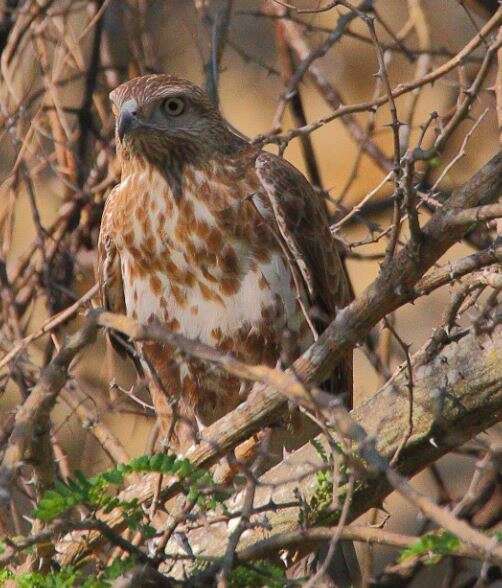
(218,240)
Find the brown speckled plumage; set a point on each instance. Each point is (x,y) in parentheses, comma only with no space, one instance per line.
(217,239)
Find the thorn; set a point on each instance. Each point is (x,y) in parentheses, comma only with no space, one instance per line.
(284,557)
(32,481)
(393,125)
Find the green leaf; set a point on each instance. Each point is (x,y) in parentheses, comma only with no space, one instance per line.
(5,575)
(182,468)
(68,577)
(96,491)
(117,568)
(115,477)
(258,574)
(148,531)
(167,463)
(140,464)
(53,504)
(62,488)
(85,483)
(156,462)
(65,578)
(432,546)
(319,450)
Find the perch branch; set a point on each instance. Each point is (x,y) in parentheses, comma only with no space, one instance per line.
(393,288)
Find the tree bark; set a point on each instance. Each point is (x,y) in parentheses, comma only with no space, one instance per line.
(456,396)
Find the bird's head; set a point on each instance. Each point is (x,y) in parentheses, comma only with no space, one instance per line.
(161,115)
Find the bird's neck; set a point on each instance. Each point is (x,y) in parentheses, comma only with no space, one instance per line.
(173,167)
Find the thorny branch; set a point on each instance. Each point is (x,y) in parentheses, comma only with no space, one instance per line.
(57,132)
(391,289)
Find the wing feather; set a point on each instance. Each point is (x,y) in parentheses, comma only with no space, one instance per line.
(109,271)
(302,220)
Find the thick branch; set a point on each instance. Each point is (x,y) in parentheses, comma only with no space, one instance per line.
(39,403)
(475,215)
(393,288)
(316,535)
(457,396)
(457,269)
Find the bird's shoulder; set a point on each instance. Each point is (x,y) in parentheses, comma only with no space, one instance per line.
(300,213)
(117,203)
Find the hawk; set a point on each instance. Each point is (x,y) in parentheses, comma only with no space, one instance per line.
(218,240)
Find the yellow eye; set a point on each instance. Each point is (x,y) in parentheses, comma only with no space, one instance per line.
(174,106)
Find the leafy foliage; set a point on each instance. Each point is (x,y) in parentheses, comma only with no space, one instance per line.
(94,492)
(68,577)
(249,575)
(258,574)
(432,547)
(5,575)
(99,493)
(318,509)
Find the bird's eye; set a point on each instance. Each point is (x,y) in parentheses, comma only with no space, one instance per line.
(174,106)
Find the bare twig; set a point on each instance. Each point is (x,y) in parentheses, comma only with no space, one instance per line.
(38,403)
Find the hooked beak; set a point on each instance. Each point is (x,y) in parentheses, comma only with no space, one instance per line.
(127,120)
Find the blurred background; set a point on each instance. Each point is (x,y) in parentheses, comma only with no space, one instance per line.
(47,93)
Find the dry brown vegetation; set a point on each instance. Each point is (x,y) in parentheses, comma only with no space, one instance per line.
(393,109)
